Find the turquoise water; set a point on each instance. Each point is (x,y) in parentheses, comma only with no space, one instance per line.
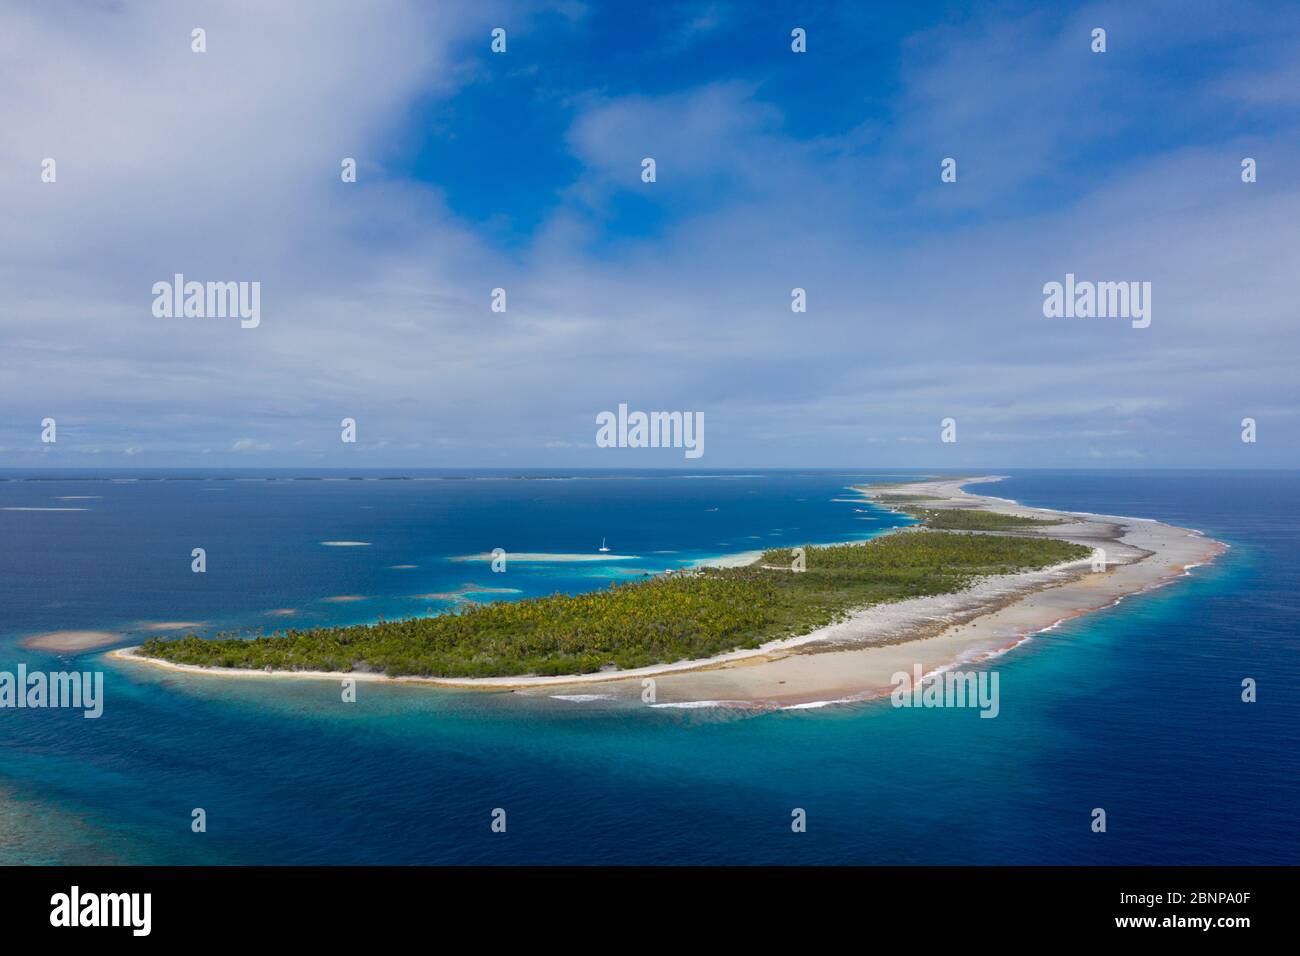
(1135,709)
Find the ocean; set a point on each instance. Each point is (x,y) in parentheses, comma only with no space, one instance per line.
(1136,709)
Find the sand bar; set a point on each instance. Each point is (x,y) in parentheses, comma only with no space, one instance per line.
(71,640)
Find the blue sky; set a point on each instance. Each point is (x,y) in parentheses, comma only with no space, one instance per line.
(775,170)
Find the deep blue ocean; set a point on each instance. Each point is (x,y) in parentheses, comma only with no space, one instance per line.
(1136,709)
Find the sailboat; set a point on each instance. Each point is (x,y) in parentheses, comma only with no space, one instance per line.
(602,545)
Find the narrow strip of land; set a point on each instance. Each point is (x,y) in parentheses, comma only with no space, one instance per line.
(955,611)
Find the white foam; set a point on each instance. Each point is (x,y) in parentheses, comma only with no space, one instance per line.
(44,509)
(700,704)
(1093,514)
(537,557)
(818,704)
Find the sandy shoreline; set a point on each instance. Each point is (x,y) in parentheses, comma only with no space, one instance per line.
(856,658)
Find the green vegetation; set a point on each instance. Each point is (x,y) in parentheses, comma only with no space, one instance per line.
(663,619)
(961,519)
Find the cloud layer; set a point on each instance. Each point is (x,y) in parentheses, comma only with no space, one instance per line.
(924,298)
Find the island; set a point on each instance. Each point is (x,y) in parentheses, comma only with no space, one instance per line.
(972,576)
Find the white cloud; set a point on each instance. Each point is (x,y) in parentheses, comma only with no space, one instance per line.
(922,303)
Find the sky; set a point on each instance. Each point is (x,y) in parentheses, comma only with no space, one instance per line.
(522,171)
